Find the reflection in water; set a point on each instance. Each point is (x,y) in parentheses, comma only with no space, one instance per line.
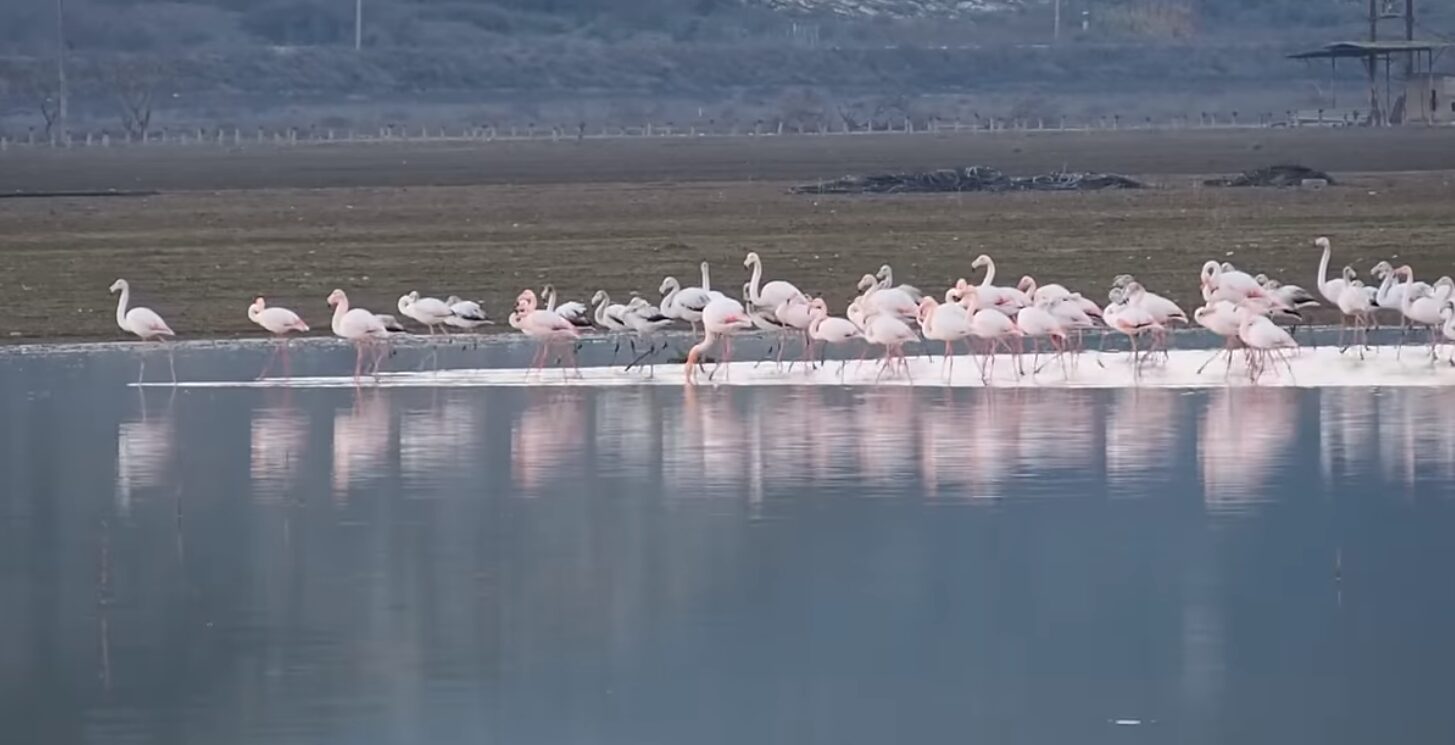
(1245,433)
(279,436)
(548,438)
(144,450)
(1141,434)
(361,442)
(645,586)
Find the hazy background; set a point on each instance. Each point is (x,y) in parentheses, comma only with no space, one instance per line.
(806,63)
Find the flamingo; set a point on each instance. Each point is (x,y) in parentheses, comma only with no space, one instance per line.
(989,325)
(889,331)
(892,300)
(429,311)
(279,322)
(766,321)
(721,318)
(645,320)
(831,331)
(1263,338)
(685,303)
(1293,296)
(886,282)
(1447,314)
(466,314)
(948,323)
(1163,311)
(145,324)
(547,326)
(574,311)
(1331,289)
(770,295)
(1223,282)
(1422,307)
(610,316)
(1354,303)
(358,326)
(1038,322)
(1221,318)
(1130,319)
(1007,300)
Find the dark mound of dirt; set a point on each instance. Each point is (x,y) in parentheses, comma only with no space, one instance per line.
(971,178)
(1282,175)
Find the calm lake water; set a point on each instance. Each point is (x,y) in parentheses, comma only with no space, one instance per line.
(732,565)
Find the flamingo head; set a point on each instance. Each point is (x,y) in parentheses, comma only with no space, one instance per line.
(1381,269)
(1349,274)
(1321,243)
(927,306)
(980,261)
(453,300)
(1122,280)
(1266,283)
(1227,266)
(1406,271)
(1210,271)
(258,305)
(527,298)
(668,284)
(599,297)
(118,285)
(336,297)
(817,306)
(1445,281)
(1027,285)
(884,272)
(751,259)
(969,296)
(867,281)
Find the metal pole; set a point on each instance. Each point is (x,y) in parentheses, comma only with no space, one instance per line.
(1056,24)
(1409,35)
(359,24)
(62,90)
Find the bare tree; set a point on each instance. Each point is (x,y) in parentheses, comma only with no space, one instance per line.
(133,82)
(39,86)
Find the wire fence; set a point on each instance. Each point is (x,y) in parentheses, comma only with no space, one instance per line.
(312,135)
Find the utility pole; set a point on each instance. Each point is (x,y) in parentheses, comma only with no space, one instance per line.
(1371,62)
(62,108)
(358,25)
(1409,35)
(1056,23)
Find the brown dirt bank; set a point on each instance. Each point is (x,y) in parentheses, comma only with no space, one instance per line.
(199,257)
(204,167)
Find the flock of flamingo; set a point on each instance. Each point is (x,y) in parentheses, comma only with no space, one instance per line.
(1250,312)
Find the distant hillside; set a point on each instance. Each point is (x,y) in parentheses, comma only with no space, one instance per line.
(898,9)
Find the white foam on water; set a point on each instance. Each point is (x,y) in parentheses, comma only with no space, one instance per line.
(1307,368)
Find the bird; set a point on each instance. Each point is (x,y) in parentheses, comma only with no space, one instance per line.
(684,303)
(1422,307)
(1007,300)
(886,282)
(1223,282)
(1331,289)
(1292,296)
(1263,339)
(888,330)
(1037,322)
(1221,318)
(466,314)
(644,320)
(1163,311)
(1447,314)
(991,326)
(609,316)
(145,324)
(892,300)
(1131,320)
(772,294)
(546,326)
(429,311)
(574,311)
(830,331)
(721,318)
(359,326)
(1354,303)
(948,323)
(279,322)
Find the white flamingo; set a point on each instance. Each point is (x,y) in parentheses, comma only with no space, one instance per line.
(722,318)
(574,311)
(770,295)
(645,320)
(948,323)
(359,326)
(1422,307)
(886,282)
(830,331)
(279,322)
(1221,318)
(466,314)
(145,324)
(546,326)
(1354,303)
(1264,340)
(1007,300)
(428,311)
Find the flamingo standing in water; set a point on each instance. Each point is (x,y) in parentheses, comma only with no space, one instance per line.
(722,317)
(1038,322)
(886,282)
(1447,314)
(989,325)
(889,331)
(359,326)
(1007,300)
(1221,318)
(145,324)
(1354,304)
(1129,319)
(1422,307)
(948,323)
(827,330)
(466,314)
(573,311)
(770,295)
(1264,340)
(429,311)
(547,326)
(279,322)
(645,320)
(611,316)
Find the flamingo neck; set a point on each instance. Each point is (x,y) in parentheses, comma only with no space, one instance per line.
(601,309)
(340,309)
(989,273)
(752,284)
(121,307)
(706,280)
(1324,266)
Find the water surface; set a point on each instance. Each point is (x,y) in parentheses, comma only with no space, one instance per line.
(730,565)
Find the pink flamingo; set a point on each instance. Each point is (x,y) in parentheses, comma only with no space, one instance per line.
(721,317)
(359,326)
(1129,319)
(546,325)
(279,322)
(948,323)
(1264,339)
(827,330)
(145,324)
(1221,318)
(990,326)
(1037,322)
